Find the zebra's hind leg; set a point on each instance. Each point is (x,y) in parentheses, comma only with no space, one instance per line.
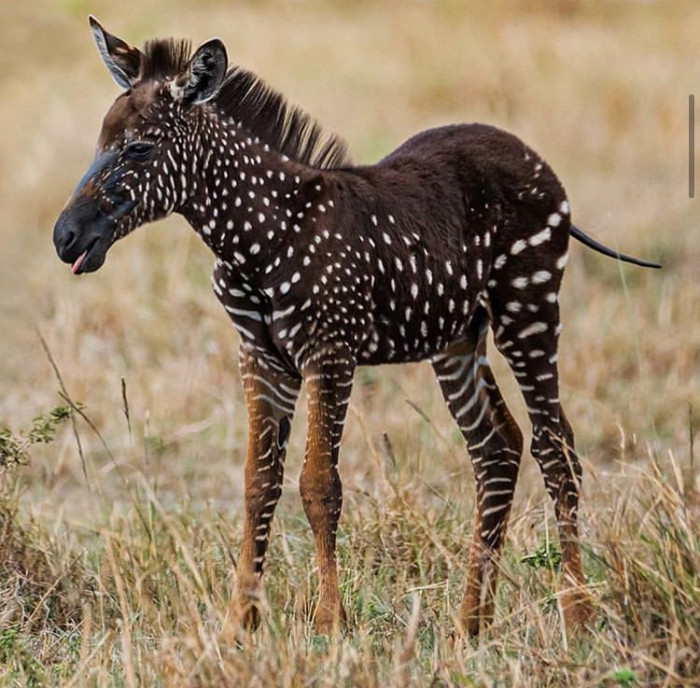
(495,445)
(528,339)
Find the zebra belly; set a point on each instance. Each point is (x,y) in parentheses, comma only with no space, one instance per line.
(414,334)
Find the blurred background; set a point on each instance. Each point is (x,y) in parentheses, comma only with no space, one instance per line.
(599,88)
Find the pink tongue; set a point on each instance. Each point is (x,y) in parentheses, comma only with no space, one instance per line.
(78,262)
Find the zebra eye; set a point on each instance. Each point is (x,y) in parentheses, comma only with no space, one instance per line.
(139,151)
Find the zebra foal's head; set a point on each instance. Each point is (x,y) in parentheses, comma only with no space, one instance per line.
(147,148)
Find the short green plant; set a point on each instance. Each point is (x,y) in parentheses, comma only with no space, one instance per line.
(14,448)
(546,556)
(625,678)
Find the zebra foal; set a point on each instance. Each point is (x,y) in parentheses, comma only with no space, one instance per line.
(323,266)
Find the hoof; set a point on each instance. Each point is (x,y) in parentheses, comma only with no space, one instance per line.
(471,627)
(330,620)
(578,611)
(474,617)
(246,611)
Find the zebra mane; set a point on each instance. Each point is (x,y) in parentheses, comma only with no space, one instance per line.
(261,110)
(286,128)
(165,58)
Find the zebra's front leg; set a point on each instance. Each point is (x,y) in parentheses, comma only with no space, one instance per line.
(328,376)
(270,396)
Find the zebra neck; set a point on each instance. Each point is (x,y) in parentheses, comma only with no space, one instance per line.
(249,203)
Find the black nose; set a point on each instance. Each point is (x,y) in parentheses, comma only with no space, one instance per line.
(65,234)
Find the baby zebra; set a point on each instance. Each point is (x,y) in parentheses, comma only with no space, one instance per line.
(323,266)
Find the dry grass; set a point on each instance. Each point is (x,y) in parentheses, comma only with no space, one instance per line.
(123,579)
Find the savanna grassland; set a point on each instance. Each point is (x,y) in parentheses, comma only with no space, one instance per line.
(120,528)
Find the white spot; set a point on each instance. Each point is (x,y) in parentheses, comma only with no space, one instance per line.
(518,246)
(541,276)
(534,328)
(554,220)
(514,306)
(540,237)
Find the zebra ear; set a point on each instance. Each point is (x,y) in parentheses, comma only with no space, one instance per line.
(205,72)
(122,60)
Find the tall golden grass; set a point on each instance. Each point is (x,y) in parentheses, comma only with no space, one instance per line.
(118,573)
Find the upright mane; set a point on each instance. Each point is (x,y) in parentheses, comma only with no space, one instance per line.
(165,58)
(267,114)
(264,112)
